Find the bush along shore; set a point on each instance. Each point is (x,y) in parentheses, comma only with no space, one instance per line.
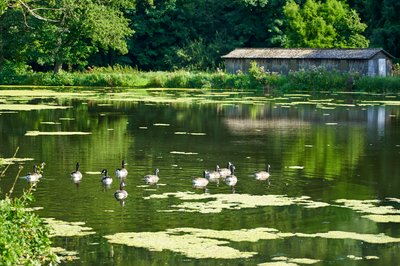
(24,238)
(256,79)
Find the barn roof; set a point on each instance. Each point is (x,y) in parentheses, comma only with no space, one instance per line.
(304,53)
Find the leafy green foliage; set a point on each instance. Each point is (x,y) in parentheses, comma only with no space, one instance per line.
(323,25)
(23,236)
(72,30)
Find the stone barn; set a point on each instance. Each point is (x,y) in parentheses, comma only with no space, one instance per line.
(368,62)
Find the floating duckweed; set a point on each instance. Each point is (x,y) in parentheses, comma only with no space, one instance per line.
(55,133)
(219,202)
(352,257)
(62,228)
(371,257)
(65,255)
(394,199)
(277,263)
(369,238)
(50,123)
(15,160)
(248,235)
(183,153)
(197,134)
(304,261)
(296,260)
(31,209)
(296,167)
(368,206)
(383,218)
(30,107)
(189,245)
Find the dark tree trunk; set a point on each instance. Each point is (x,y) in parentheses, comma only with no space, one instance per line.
(57,66)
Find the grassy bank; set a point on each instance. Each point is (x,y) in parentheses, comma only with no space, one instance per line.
(24,238)
(256,79)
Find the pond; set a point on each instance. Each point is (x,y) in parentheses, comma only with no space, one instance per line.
(333,196)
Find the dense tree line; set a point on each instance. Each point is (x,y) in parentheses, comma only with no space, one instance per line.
(190,34)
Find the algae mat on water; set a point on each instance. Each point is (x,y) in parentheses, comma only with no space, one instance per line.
(207,243)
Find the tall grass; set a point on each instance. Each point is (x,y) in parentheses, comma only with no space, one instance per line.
(257,79)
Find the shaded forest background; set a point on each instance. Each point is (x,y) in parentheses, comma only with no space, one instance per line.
(184,34)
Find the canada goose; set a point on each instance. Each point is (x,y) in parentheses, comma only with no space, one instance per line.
(121,193)
(200,182)
(121,173)
(106,179)
(263,175)
(34,176)
(76,175)
(224,172)
(152,179)
(213,176)
(231,179)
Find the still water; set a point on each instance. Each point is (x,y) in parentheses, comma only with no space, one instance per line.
(333,197)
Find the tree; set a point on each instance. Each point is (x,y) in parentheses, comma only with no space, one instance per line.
(69,31)
(323,25)
(384,24)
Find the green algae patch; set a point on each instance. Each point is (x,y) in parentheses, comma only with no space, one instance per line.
(93,172)
(67,229)
(383,218)
(294,261)
(243,235)
(277,263)
(50,123)
(368,238)
(65,255)
(14,160)
(30,107)
(183,153)
(368,206)
(218,202)
(189,245)
(55,133)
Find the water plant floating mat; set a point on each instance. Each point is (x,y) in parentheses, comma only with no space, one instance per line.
(215,203)
(55,133)
(207,243)
(30,107)
(67,229)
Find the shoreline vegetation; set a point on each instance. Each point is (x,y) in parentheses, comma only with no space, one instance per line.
(256,79)
(24,237)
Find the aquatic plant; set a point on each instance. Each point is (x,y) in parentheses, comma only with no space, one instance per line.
(24,238)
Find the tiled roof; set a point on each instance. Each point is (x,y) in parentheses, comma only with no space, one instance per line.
(302,53)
